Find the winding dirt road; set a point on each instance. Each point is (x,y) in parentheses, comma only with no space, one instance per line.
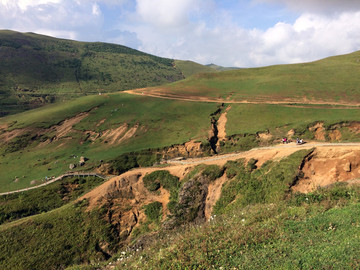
(180,167)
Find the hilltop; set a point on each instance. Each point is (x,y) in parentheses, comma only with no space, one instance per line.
(37,69)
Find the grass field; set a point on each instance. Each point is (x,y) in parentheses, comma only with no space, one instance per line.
(159,123)
(268,117)
(56,239)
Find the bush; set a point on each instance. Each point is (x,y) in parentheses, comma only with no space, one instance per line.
(131,160)
(154,180)
(251,165)
(153,211)
(212,172)
(233,168)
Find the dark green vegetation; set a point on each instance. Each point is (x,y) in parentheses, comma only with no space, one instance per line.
(164,179)
(36,69)
(329,80)
(153,211)
(36,201)
(57,239)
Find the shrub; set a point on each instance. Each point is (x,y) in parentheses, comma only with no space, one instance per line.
(154,180)
(153,211)
(212,172)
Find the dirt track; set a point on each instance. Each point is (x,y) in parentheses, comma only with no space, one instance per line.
(262,154)
(294,103)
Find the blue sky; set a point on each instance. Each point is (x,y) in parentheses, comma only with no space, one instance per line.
(242,33)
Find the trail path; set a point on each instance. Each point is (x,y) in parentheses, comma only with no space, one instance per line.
(286,148)
(294,103)
(61,177)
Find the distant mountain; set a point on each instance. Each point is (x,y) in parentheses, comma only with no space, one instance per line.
(220,68)
(37,69)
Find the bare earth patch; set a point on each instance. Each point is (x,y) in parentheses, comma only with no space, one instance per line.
(329,165)
(214,194)
(66,126)
(319,131)
(221,125)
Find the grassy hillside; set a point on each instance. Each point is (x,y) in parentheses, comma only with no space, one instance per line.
(36,69)
(267,236)
(45,141)
(42,142)
(329,80)
(189,68)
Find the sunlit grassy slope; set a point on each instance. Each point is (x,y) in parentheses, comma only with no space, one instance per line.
(333,79)
(158,123)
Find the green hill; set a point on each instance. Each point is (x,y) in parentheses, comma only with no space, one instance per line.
(37,69)
(333,79)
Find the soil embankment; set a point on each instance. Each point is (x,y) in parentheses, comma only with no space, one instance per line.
(340,161)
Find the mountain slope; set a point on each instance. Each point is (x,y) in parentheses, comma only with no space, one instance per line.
(331,80)
(36,69)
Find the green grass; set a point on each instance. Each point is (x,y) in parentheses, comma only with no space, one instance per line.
(161,123)
(265,117)
(268,184)
(329,80)
(44,199)
(153,211)
(189,68)
(56,239)
(263,225)
(319,234)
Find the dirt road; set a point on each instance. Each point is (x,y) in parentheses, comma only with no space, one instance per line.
(296,103)
(181,167)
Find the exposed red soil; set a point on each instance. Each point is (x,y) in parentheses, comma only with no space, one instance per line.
(221,125)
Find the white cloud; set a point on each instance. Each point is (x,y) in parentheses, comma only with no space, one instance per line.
(63,18)
(318,6)
(310,37)
(165,13)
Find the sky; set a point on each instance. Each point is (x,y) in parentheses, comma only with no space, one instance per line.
(232,33)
